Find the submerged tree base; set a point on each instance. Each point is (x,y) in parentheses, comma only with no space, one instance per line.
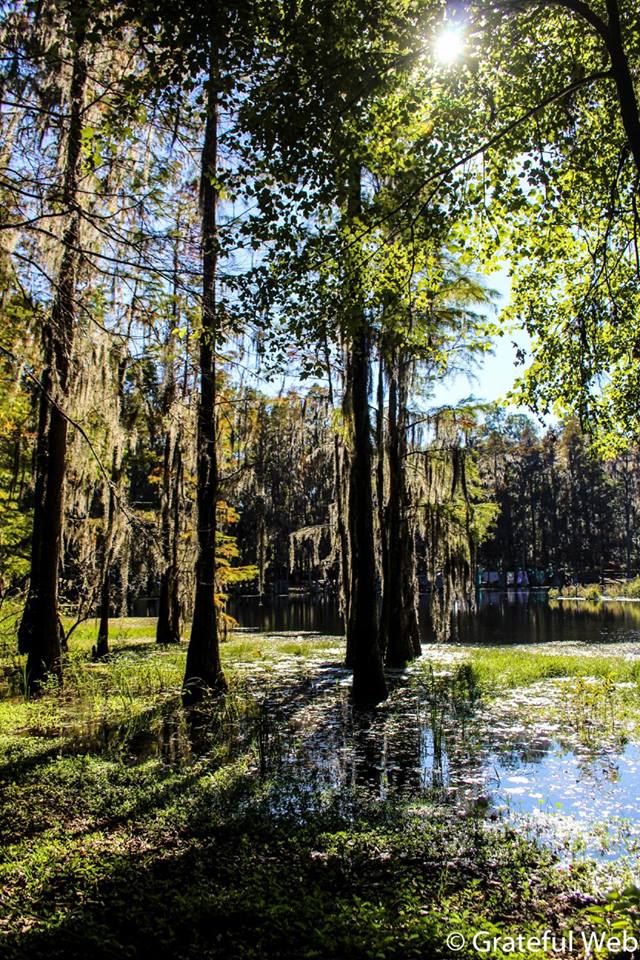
(197,690)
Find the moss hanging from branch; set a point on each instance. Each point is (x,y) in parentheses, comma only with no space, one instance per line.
(450,517)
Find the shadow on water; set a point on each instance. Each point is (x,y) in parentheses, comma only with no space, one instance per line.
(535,751)
(439,739)
(436,739)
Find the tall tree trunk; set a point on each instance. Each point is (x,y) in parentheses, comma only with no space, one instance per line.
(339,487)
(400,627)
(391,600)
(382,501)
(174,579)
(203,669)
(101,648)
(168,625)
(261,503)
(363,650)
(262,548)
(40,635)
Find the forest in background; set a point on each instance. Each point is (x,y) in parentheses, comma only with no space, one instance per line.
(198,202)
(554,506)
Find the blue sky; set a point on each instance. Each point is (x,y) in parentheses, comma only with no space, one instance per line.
(493,378)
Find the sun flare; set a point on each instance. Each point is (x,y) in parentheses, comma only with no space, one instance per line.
(448,45)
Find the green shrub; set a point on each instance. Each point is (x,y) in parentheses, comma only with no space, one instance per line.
(624,588)
(592,591)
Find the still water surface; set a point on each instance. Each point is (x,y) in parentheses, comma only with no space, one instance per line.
(500,618)
(518,755)
(515,754)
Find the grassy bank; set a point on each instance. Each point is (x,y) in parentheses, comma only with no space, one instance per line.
(137,677)
(196,861)
(611,590)
(591,698)
(499,667)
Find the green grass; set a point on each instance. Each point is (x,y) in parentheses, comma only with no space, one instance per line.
(105,859)
(272,648)
(594,701)
(499,668)
(137,675)
(121,630)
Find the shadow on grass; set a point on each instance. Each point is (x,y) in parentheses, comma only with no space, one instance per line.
(343,879)
(201,836)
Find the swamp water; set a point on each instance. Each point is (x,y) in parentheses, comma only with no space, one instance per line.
(555,757)
(506,617)
(526,755)
(551,756)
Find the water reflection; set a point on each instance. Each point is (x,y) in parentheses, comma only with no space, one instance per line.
(507,617)
(285,613)
(531,752)
(161,733)
(167,732)
(435,736)
(437,739)
(516,617)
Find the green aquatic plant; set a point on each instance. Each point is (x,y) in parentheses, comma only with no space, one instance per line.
(592,591)
(619,912)
(591,706)
(609,590)
(624,588)
(498,667)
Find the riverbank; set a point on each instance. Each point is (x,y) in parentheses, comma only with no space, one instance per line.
(622,590)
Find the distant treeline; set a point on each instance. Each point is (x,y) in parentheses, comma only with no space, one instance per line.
(560,506)
(542,500)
